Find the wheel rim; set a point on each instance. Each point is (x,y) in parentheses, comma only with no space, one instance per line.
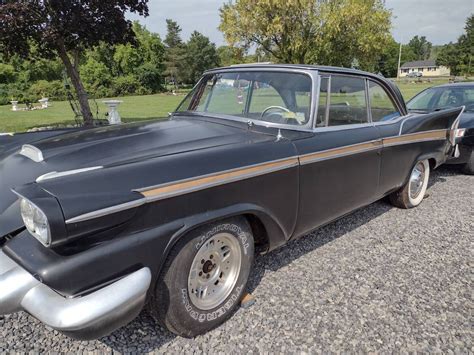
(214,271)
(417,179)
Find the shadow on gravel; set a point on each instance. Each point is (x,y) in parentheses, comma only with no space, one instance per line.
(145,335)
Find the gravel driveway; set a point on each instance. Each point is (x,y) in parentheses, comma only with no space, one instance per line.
(381,279)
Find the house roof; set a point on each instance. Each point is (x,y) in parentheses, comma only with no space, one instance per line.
(420,64)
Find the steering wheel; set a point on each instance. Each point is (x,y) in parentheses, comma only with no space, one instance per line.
(273,108)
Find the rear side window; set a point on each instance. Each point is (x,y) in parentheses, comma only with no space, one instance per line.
(347,101)
(381,106)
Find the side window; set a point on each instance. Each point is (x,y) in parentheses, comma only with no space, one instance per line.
(348,104)
(381,106)
(323,102)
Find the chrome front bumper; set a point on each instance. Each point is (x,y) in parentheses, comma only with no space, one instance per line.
(88,317)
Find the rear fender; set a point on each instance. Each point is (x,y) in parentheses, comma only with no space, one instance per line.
(441,120)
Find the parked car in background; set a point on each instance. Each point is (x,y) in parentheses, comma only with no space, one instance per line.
(445,97)
(94,224)
(415,74)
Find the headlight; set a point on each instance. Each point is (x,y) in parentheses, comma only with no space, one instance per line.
(35,221)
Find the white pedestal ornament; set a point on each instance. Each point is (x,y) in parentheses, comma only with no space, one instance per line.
(14,105)
(114,117)
(44,102)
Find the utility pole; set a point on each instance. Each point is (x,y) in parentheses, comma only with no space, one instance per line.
(399,59)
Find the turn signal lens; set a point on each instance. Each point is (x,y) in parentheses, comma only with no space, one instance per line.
(460,132)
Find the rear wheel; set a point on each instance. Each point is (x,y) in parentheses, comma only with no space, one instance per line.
(413,192)
(204,277)
(468,168)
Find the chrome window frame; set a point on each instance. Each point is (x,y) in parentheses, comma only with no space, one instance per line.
(307,127)
(394,103)
(329,75)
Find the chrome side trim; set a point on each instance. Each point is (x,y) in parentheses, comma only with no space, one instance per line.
(55,174)
(166,190)
(107,211)
(197,183)
(454,127)
(341,151)
(31,152)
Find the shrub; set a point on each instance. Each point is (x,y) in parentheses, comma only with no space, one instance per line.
(7,74)
(149,76)
(127,85)
(54,90)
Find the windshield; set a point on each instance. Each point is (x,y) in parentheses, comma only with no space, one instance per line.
(273,97)
(442,98)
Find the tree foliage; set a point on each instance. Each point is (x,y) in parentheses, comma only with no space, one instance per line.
(175,57)
(421,47)
(459,56)
(64,29)
(201,55)
(307,31)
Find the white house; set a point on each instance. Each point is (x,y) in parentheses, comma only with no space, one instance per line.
(426,67)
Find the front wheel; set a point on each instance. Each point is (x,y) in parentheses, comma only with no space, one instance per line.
(204,277)
(413,192)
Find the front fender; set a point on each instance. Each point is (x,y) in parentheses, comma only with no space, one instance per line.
(276,233)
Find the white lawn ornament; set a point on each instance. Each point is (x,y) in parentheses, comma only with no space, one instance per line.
(44,102)
(114,117)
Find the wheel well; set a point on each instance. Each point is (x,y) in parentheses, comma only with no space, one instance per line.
(432,162)
(259,231)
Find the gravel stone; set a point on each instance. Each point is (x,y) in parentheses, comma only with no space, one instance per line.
(379,280)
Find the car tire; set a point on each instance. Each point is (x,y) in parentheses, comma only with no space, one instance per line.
(204,277)
(414,190)
(468,168)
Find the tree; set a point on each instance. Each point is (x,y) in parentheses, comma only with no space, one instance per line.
(307,31)
(65,29)
(420,47)
(459,56)
(201,55)
(175,53)
(229,55)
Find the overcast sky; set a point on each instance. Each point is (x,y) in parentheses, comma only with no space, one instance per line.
(441,21)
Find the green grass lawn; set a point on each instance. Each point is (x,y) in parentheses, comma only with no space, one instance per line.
(134,108)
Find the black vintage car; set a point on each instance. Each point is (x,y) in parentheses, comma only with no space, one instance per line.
(447,96)
(94,224)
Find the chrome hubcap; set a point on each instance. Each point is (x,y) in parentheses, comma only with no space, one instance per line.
(214,271)
(417,180)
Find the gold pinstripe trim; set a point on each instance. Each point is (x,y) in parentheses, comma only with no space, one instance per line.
(339,152)
(199,183)
(181,187)
(439,134)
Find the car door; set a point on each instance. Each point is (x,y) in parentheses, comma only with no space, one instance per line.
(340,163)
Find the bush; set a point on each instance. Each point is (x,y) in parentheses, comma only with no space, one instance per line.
(54,90)
(128,85)
(7,74)
(149,76)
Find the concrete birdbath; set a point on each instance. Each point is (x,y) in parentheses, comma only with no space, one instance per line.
(14,105)
(44,102)
(113,117)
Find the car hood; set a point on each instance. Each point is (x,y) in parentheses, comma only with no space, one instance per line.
(111,146)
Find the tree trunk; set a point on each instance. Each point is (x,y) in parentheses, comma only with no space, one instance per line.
(82,95)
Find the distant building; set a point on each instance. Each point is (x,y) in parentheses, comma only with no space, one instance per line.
(425,67)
